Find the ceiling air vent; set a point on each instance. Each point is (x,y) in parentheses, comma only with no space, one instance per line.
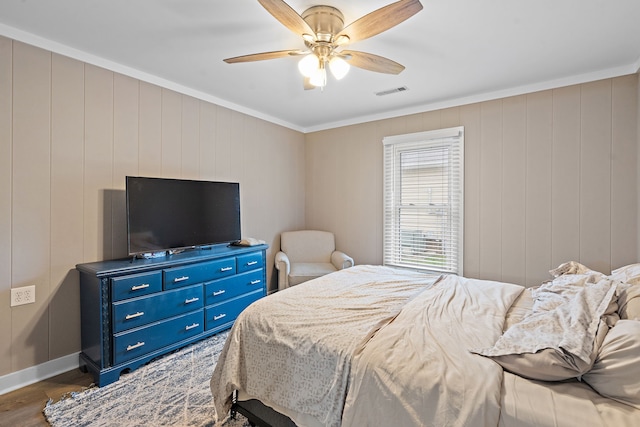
(394,90)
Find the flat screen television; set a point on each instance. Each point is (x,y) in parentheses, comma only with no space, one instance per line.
(166,214)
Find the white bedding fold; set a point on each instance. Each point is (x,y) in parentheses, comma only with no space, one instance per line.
(418,371)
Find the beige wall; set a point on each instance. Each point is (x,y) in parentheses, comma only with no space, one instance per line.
(549,177)
(69,134)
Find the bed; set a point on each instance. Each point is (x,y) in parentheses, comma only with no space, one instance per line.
(376,346)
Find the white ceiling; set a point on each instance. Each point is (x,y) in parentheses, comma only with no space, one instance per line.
(454,51)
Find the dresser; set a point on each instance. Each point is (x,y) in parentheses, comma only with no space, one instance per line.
(134,310)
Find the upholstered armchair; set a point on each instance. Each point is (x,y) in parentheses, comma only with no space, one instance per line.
(307,254)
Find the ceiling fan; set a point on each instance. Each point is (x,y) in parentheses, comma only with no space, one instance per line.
(323,31)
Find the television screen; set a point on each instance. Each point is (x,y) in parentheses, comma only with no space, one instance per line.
(170,214)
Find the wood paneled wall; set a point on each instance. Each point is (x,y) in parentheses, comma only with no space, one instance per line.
(550,177)
(69,134)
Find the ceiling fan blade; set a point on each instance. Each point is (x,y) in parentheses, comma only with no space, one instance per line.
(371,62)
(287,16)
(264,56)
(380,20)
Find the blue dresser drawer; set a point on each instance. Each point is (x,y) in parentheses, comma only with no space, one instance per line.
(226,312)
(251,281)
(144,310)
(138,342)
(190,274)
(221,290)
(249,262)
(135,285)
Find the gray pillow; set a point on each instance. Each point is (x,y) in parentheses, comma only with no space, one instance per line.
(560,340)
(550,364)
(616,372)
(629,303)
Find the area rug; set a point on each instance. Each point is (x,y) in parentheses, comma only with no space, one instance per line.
(169,391)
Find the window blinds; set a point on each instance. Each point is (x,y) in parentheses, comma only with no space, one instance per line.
(423,200)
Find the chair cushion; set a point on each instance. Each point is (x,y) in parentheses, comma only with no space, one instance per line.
(307,245)
(303,271)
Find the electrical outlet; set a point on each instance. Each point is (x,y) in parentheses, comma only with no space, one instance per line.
(23,295)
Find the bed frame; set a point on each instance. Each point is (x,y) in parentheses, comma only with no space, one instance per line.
(258,414)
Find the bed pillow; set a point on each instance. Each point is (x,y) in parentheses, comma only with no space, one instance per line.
(629,303)
(627,274)
(550,364)
(616,372)
(560,340)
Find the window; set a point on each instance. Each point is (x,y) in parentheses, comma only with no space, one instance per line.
(423,200)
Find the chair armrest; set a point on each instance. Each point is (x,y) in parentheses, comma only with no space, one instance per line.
(340,260)
(284,268)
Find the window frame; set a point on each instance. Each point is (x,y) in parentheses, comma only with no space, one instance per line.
(394,147)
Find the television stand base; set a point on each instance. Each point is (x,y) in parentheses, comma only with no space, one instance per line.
(151,255)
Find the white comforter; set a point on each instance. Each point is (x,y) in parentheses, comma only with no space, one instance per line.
(294,348)
(374,346)
(418,371)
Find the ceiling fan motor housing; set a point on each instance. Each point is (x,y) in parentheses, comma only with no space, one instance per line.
(325,21)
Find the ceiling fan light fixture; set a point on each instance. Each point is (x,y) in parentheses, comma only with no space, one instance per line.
(339,67)
(309,65)
(319,78)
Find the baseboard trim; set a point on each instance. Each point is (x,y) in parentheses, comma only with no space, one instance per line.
(28,376)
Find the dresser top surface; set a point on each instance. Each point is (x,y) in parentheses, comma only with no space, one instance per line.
(135,265)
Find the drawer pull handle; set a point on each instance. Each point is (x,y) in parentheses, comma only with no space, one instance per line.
(138,287)
(226,269)
(219,317)
(195,325)
(252,263)
(220,292)
(255,282)
(190,300)
(132,347)
(180,279)
(133,316)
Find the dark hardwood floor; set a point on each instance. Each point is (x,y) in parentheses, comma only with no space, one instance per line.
(23,407)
